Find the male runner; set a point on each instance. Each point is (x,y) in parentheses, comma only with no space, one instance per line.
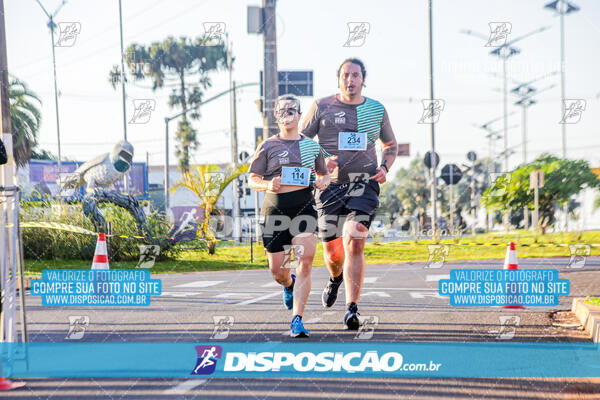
(348,125)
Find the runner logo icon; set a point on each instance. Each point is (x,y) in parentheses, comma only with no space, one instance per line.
(207,359)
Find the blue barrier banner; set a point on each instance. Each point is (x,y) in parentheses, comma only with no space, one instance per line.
(504,287)
(84,287)
(278,359)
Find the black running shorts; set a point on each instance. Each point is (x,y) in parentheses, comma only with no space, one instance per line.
(355,201)
(286,215)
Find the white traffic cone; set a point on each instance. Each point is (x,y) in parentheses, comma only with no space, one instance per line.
(510,262)
(100,255)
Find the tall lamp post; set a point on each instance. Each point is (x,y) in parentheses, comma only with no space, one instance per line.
(433,164)
(52,26)
(562,8)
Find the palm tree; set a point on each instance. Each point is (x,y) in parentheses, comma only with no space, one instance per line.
(182,65)
(208,183)
(25,118)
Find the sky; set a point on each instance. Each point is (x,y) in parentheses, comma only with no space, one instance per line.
(311,36)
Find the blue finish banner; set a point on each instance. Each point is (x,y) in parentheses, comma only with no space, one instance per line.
(277,359)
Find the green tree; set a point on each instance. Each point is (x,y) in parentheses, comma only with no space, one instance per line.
(409,192)
(562,180)
(25,118)
(208,183)
(183,65)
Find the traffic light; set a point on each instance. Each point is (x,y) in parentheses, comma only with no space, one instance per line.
(240,188)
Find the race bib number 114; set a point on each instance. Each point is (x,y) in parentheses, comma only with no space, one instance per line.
(352,141)
(295,176)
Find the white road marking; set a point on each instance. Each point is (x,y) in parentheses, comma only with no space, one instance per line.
(421,295)
(257,299)
(435,278)
(271,284)
(370,279)
(380,294)
(199,284)
(234,295)
(185,386)
(317,319)
(313,320)
(179,294)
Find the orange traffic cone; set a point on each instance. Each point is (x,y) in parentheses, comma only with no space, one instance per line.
(510,262)
(6,384)
(100,255)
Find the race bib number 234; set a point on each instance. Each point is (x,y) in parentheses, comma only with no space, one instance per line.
(352,141)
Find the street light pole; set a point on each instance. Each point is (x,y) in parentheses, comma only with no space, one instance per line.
(123,95)
(52,25)
(432,163)
(563,7)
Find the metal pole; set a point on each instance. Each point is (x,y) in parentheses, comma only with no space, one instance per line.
(56,96)
(236,196)
(7,172)
(473,208)
(451,205)
(270,78)
(524,123)
(166,165)
(562,100)
(535,222)
(505,119)
(123,95)
(21,268)
(433,167)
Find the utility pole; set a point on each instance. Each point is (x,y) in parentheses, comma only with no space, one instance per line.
(237,215)
(433,164)
(7,173)
(270,78)
(123,95)
(235,209)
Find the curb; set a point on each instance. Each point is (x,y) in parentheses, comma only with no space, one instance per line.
(589,315)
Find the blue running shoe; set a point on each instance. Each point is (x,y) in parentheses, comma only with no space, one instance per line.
(297,329)
(288,295)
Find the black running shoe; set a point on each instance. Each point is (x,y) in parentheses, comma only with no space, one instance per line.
(351,319)
(330,292)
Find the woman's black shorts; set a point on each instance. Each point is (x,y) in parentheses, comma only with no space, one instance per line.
(286,215)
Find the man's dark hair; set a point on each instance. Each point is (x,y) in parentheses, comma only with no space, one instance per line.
(353,61)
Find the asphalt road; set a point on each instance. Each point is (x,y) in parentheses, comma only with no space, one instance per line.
(399,300)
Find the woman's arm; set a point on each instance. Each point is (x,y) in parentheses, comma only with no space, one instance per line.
(257,183)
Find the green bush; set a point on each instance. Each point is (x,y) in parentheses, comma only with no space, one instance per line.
(44,243)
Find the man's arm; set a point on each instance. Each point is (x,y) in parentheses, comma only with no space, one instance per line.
(390,149)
